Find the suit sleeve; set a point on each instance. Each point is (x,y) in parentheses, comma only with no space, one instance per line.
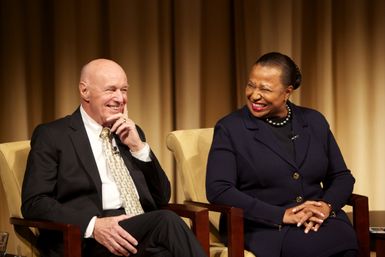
(40,191)
(221,182)
(156,178)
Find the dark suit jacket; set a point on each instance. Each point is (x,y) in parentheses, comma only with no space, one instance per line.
(248,168)
(62,181)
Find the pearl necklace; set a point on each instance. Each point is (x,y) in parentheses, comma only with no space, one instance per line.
(282,123)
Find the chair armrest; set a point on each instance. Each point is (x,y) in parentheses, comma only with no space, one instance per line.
(71,233)
(200,221)
(234,219)
(360,219)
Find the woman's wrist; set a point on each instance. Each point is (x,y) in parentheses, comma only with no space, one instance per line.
(331,212)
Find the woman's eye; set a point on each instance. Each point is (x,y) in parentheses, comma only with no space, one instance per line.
(265,89)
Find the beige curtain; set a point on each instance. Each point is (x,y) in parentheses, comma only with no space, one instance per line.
(187,62)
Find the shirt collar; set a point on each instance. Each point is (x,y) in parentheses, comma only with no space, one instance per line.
(90,123)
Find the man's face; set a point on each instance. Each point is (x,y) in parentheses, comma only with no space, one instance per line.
(106,93)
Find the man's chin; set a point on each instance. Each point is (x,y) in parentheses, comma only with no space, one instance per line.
(107,124)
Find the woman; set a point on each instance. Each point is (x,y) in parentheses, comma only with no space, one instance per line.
(281,164)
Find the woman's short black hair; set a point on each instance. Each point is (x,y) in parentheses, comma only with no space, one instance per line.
(291,75)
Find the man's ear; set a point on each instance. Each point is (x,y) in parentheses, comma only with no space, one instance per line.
(84,91)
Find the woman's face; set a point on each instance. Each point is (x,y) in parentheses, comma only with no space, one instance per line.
(265,94)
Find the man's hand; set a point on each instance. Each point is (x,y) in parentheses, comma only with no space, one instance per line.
(126,130)
(109,233)
(310,214)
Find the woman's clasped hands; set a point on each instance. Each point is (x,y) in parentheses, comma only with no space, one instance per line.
(310,215)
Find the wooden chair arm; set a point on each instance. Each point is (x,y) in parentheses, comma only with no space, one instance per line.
(360,220)
(71,233)
(200,221)
(234,218)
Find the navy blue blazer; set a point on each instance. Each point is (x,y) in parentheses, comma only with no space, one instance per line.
(62,181)
(248,168)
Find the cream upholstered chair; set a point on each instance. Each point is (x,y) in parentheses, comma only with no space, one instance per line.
(11,175)
(190,149)
(13,159)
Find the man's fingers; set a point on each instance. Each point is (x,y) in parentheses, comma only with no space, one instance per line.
(124,238)
(118,250)
(122,128)
(121,123)
(121,217)
(110,234)
(122,243)
(127,245)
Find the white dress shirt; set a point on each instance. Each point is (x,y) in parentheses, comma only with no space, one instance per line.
(110,193)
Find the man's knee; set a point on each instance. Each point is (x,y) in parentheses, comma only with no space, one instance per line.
(168,216)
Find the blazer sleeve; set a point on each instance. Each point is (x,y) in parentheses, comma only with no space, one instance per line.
(338,183)
(156,179)
(221,182)
(40,192)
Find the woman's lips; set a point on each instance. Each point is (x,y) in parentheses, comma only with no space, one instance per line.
(258,107)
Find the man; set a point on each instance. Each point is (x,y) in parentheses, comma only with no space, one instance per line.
(69,177)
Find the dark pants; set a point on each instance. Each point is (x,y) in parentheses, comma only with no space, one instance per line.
(160,233)
(335,238)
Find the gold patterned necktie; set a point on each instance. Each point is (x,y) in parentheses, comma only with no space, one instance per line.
(121,175)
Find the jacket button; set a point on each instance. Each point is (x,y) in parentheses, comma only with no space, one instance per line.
(299,199)
(296,176)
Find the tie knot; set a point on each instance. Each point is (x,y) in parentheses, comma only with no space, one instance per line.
(106,132)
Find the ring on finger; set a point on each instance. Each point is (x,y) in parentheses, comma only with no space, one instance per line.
(124,120)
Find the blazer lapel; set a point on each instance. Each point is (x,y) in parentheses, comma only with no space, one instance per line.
(300,130)
(83,149)
(264,135)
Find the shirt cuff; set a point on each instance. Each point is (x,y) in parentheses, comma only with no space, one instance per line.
(143,154)
(90,228)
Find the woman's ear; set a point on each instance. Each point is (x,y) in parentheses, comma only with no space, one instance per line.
(289,90)
(84,91)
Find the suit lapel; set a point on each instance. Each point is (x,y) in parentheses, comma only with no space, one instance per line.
(300,129)
(264,135)
(83,149)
